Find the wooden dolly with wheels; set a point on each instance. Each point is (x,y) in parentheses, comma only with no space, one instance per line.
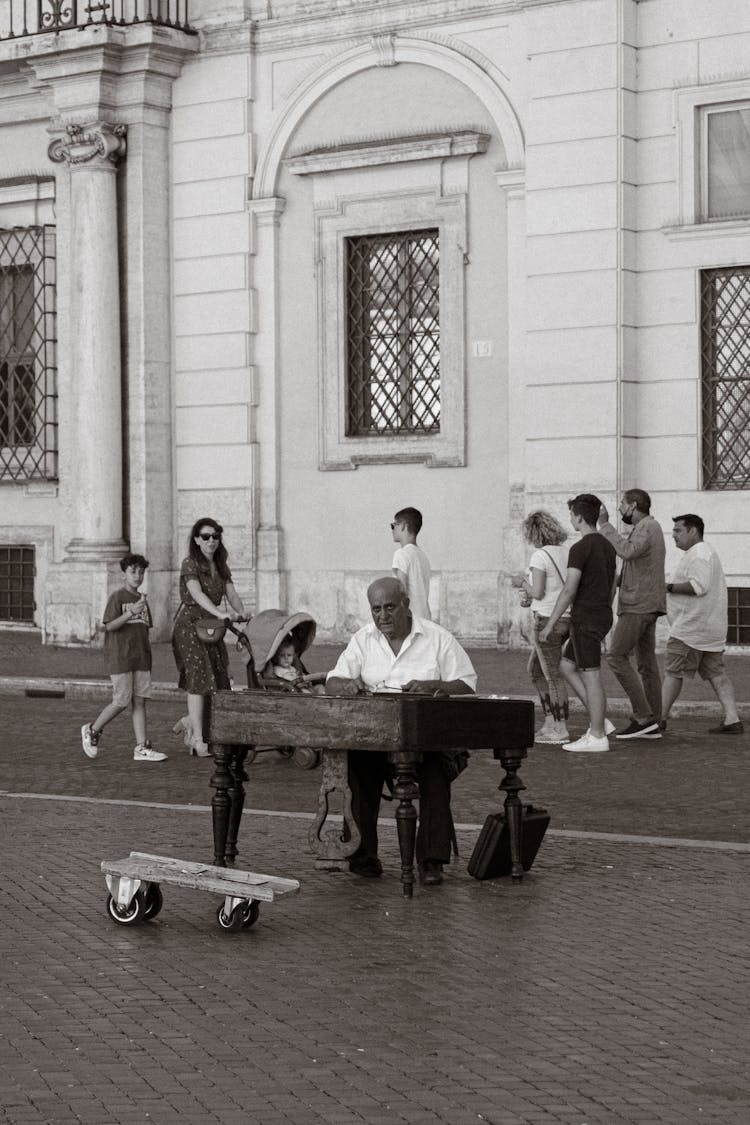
(135,891)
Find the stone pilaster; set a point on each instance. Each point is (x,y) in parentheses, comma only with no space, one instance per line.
(265,215)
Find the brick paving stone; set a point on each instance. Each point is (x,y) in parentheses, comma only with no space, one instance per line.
(620,967)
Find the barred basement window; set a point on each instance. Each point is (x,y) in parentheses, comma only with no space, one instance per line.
(738,632)
(725,338)
(28,393)
(393,334)
(17,583)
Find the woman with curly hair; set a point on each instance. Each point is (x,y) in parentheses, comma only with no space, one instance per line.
(205,580)
(541,585)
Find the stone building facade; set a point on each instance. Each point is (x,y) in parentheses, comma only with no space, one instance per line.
(301,264)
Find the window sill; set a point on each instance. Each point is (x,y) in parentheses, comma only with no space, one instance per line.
(727,228)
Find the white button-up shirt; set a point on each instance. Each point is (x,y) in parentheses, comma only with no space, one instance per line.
(429,652)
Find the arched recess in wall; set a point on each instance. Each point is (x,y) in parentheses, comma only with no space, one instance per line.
(453,58)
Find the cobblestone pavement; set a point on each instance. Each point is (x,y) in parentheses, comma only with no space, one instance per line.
(610,986)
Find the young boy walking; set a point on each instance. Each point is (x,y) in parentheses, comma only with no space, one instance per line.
(127,654)
(410,564)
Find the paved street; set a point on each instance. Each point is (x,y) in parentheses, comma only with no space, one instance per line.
(610,986)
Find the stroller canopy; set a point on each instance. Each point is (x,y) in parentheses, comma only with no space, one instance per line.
(270,627)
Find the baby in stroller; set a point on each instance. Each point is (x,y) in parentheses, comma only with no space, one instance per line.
(278,640)
(272,646)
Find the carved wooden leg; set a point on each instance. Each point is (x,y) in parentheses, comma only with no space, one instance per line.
(333,846)
(221,781)
(512,784)
(236,800)
(406,790)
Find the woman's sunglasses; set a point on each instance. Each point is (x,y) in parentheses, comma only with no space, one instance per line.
(206,535)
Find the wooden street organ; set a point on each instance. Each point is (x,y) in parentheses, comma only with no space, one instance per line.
(400,724)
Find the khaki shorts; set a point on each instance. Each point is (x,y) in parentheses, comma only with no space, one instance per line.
(127,684)
(682,661)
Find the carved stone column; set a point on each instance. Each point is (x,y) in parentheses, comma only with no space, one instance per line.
(91,152)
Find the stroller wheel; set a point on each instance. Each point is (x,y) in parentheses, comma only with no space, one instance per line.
(306,758)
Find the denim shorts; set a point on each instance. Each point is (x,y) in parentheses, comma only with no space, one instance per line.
(584,645)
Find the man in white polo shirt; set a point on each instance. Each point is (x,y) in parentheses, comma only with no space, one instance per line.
(697,612)
(399,652)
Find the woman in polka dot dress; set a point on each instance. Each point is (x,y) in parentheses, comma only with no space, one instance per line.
(205,580)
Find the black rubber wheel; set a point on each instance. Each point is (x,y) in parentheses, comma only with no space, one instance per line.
(233,922)
(154,901)
(251,914)
(127,915)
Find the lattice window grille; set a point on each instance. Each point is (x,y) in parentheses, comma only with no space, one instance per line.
(725,339)
(28,374)
(17,570)
(393,334)
(738,632)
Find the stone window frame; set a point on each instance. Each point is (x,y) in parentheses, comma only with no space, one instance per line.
(436,198)
(691,108)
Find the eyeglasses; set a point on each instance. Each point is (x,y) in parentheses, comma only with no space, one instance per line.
(206,535)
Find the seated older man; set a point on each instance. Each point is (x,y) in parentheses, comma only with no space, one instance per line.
(406,653)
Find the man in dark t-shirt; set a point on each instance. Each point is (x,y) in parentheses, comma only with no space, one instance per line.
(588,590)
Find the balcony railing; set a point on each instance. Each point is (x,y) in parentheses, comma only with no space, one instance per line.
(20,18)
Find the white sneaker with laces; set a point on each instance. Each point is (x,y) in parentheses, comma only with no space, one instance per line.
(147,754)
(588,744)
(90,740)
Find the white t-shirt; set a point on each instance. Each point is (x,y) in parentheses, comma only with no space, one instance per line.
(430,652)
(542,559)
(699,621)
(413,562)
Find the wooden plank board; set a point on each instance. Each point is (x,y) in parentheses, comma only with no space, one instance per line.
(197,876)
(276,881)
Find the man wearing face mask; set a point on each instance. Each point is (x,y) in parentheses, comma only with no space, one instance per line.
(641,601)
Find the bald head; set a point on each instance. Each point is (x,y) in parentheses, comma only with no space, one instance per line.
(389,606)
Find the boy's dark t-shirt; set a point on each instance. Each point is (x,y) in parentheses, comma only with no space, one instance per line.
(596,559)
(127,649)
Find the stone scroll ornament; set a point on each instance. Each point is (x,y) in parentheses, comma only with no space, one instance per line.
(81,144)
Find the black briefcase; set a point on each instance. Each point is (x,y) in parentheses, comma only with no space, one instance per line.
(491,856)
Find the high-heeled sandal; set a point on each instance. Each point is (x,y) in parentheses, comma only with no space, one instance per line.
(183,727)
(199,749)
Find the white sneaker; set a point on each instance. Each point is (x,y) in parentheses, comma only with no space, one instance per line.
(551,737)
(147,754)
(587,744)
(90,740)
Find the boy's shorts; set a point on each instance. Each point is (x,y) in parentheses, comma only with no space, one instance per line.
(127,684)
(584,645)
(682,661)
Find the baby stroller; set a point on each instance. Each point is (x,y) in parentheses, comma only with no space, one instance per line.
(258,642)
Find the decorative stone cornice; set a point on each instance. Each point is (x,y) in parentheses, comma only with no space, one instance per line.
(98,141)
(398,150)
(279,24)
